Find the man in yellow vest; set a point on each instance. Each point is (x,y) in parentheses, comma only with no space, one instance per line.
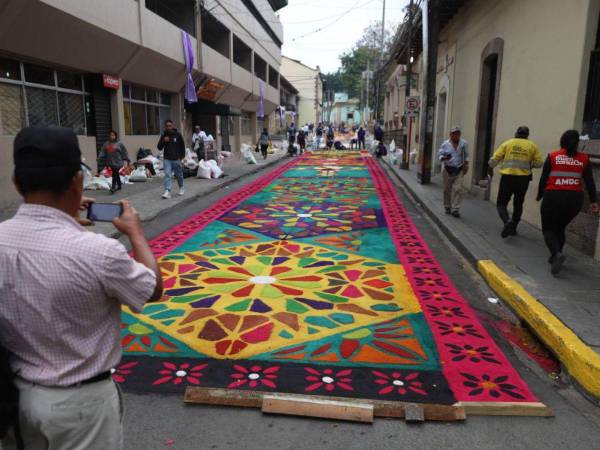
(517,157)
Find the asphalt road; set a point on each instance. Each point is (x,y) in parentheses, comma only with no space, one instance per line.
(165,422)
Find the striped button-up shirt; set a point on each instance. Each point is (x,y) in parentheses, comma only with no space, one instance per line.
(61,291)
(458,155)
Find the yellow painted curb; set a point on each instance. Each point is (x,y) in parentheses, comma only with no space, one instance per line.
(582,362)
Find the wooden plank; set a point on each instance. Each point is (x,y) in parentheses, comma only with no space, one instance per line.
(414,413)
(507,409)
(381,408)
(316,407)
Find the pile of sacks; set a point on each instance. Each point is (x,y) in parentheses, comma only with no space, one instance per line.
(209,169)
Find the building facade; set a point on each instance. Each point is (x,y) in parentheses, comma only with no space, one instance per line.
(119,64)
(309,83)
(345,110)
(493,74)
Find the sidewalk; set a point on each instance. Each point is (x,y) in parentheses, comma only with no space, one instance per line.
(146,196)
(563,310)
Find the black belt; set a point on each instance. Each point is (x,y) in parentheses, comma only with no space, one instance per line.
(100,377)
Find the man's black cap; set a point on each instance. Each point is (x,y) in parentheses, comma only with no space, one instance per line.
(46,148)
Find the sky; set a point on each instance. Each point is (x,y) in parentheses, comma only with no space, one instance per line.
(322,48)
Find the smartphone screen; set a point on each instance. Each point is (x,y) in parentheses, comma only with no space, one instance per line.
(104,212)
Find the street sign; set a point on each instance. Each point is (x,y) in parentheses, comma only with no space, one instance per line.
(110,81)
(412,106)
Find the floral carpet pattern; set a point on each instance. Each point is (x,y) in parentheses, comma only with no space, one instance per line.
(312,279)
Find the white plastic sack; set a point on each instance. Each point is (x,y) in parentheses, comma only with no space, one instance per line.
(225,154)
(203,170)
(99,184)
(138,174)
(392,146)
(87,177)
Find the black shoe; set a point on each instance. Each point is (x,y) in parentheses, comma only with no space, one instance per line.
(557,263)
(112,191)
(507,230)
(448,211)
(456,213)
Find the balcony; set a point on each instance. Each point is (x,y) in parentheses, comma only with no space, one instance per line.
(180,13)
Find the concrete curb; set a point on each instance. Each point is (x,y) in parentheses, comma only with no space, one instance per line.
(581,361)
(188,199)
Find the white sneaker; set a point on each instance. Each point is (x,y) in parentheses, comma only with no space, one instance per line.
(181,191)
(167,194)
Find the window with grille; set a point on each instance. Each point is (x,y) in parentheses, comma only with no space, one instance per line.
(145,110)
(32,94)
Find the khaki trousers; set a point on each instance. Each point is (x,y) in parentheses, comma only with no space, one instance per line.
(75,418)
(453,190)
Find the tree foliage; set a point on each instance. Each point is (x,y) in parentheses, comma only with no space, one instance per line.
(366,52)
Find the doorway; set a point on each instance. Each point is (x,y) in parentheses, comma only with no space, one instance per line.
(491,66)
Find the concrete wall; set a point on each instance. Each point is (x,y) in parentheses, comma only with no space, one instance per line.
(542,70)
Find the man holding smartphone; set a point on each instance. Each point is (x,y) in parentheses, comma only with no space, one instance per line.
(61,293)
(454,155)
(171,142)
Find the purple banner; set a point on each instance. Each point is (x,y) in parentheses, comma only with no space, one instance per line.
(188,53)
(261,98)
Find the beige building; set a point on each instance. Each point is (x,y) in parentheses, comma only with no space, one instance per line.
(309,83)
(505,63)
(119,64)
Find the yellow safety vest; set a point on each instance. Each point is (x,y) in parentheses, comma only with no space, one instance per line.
(517,157)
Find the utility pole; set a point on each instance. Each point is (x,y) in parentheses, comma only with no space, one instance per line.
(367,92)
(431,27)
(379,72)
(405,164)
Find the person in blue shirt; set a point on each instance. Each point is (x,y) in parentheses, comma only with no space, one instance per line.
(454,155)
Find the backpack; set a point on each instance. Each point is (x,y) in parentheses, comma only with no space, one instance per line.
(9,399)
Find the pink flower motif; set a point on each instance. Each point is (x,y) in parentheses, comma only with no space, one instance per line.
(254,376)
(328,379)
(396,381)
(119,374)
(178,374)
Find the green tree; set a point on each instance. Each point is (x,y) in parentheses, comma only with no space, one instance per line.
(366,52)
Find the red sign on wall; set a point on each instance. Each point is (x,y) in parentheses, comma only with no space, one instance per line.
(110,82)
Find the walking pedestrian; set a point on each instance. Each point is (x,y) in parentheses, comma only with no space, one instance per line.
(517,157)
(61,293)
(330,137)
(114,156)
(378,133)
(319,136)
(561,186)
(198,138)
(171,141)
(302,140)
(361,138)
(455,156)
(264,142)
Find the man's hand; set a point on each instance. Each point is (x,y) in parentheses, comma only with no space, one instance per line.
(167,139)
(129,223)
(85,204)
(594,209)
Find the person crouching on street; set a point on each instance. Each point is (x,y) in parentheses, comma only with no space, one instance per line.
(517,157)
(454,154)
(113,155)
(171,141)
(564,175)
(61,293)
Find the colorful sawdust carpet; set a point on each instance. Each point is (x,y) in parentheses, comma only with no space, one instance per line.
(313,279)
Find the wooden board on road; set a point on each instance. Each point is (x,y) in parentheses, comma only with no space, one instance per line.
(381,408)
(304,405)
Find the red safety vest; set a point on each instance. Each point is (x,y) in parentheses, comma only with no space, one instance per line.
(566,172)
